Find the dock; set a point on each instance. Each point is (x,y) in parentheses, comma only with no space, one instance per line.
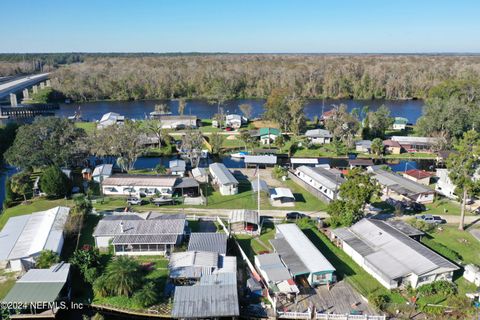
(28,111)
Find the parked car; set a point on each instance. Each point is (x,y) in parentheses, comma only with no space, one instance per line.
(415,206)
(428,218)
(295,215)
(134,201)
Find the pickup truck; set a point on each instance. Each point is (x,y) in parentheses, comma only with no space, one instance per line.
(428,218)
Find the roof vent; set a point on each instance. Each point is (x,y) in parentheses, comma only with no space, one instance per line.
(121,227)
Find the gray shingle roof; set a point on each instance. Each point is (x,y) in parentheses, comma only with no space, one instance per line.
(220,171)
(208,242)
(318,133)
(145,239)
(398,183)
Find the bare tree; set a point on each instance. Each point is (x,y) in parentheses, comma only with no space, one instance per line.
(246,109)
(191,147)
(182,104)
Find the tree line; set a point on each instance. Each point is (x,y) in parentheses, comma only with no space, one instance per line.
(255,76)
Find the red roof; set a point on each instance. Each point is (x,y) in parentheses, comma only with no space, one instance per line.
(418,174)
(291,282)
(391,143)
(328,114)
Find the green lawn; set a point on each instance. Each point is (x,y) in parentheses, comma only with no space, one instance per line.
(6,285)
(37,204)
(89,127)
(304,200)
(445,206)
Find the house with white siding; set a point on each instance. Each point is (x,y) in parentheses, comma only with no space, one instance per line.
(223,178)
(319,136)
(327,181)
(391,256)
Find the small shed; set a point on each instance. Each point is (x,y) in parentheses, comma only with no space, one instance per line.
(200,174)
(243,220)
(364,146)
(282,197)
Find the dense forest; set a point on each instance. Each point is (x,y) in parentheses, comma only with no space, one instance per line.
(254,76)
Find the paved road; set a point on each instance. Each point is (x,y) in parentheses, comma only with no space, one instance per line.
(21,83)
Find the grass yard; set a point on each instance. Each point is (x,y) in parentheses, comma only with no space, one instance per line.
(7,284)
(445,206)
(89,127)
(304,200)
(37,204)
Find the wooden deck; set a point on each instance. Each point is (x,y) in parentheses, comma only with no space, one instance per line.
(340,299)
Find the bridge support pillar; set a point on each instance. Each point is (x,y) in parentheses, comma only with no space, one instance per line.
(35,89)
(48,83)
(42,85)
(13,99)
(26,96)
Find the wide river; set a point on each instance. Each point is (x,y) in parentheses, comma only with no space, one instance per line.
(410,109)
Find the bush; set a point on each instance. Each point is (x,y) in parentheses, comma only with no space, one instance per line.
(443,288)
(279,172)
(421,225)
(54,182)
(146,296)
(9,195)
(87,260)
(46,259)
(378,301)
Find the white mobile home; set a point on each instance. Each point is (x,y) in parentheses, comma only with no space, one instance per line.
(130,184)
(391,256)
(223,178)
(319,136)
(326,181)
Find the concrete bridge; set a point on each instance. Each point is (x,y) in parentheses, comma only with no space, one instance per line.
(20,84)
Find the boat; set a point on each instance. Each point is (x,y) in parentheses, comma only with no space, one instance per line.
(239,155)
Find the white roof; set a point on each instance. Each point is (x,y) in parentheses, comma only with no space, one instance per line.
(310,256)
(56,273)
(327,177)
(264,159)
(177,165)
(282,193)
(410,139)
(220,171)
(10,233)
(318,133)
(244,215)
(42,231)
(304,160)
(103,169)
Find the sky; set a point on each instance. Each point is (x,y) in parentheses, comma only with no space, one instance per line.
(241,26)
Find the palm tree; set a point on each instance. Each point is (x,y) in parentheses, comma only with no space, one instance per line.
(122,276)
(146,296)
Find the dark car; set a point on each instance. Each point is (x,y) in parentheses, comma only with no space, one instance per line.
(295,216)
(416,207)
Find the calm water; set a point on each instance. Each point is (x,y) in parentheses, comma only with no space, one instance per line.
(410,109)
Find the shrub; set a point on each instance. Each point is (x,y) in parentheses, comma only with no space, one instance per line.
(9,195)
(442,287)
(441,249)
(378,301)
(54,182)
(46,259)
(421,225)
(279,172)
(146,296)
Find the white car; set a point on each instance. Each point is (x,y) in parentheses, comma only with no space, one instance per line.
(134,201)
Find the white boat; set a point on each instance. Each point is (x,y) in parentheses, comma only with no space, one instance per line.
(239,155)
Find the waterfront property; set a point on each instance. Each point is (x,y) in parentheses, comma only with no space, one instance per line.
(261,161)
(310,162)
(200,174)
(223,178)
(303,260)
(177,167)
(400,123)
(360,163)
(416,144)
(319,136)
(444,185)
(391,256)
(214,296)
(24,237)
(419,176)
(266,135)
(208,242)
(400,188)
(176,122)
(363,146)
(325,182)
(392,147)
(140,234)
(101,172)
(109,119)
(128,184)
(234,121)
(39,292)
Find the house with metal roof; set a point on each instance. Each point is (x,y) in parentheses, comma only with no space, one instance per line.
(406,228)
(391,256)
(223,178)
(296,162)
(177,167)
(319,136)
(143,184)
(321,181)
(364,146)
(234,121)
(416,144)
(38,290)
(24,237)
(243,220)
(101,172)
(282,197)
(176,122)
(300,255)
(191,266)
(140,234)
(214,296)
(208,242)
(260,160)
(400,188)
(109,119)
(266,135)
(444,185)
(399,123)
(275,273)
